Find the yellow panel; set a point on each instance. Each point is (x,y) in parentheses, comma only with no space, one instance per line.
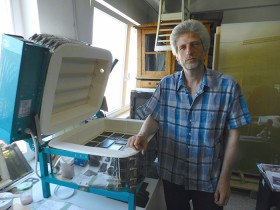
(250,52)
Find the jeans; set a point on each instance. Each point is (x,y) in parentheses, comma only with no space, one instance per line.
(177,198)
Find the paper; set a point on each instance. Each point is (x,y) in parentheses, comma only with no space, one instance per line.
(47,204)
(272,174)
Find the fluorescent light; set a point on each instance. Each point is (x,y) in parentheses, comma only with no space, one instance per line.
(105,4)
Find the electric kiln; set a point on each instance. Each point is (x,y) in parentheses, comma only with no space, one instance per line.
(48,87)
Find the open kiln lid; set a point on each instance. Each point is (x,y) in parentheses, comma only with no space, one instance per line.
(75,84)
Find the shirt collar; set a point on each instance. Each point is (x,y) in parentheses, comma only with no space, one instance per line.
(180,82)
(208,79)
(212,77)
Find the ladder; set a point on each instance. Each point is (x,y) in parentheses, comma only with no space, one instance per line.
(167,21)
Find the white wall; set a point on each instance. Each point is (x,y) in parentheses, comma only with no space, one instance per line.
(25,17)
(84,20)
(30,17)
(72,19)
(56,17)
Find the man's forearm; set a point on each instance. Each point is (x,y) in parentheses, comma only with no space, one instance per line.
(230,153)
(149,127)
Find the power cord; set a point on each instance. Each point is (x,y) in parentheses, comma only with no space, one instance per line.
(34,139)
(29,131)
(56,194)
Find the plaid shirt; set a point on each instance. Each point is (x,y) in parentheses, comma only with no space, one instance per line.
(192,132)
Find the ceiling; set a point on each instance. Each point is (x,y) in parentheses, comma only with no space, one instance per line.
(228,11)
(154,4)
(169,4)
(201,5)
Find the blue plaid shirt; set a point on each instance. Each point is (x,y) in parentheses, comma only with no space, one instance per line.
(192,132)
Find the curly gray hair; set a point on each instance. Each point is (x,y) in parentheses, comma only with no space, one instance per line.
(192,26)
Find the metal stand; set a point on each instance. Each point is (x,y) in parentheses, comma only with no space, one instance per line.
(48,177)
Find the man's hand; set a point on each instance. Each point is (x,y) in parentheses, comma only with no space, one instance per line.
(222,193)
(138,142)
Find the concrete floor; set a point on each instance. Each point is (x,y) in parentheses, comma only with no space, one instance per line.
(241,201)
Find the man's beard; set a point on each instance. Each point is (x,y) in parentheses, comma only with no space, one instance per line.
(193,66)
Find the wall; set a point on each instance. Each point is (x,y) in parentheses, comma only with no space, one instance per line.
(84,20)
(239,11)
(25,17)
(249,53)
(72,19)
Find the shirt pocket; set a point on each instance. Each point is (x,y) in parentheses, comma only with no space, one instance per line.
(206,120)
(200,154)
(209,117)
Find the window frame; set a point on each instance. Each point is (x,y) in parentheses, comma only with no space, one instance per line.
(125,105)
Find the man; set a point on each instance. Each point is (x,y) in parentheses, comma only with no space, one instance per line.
(196,113)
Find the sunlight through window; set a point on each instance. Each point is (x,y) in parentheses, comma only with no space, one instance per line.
(110,33)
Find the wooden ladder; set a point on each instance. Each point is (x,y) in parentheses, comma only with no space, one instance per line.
(167,21)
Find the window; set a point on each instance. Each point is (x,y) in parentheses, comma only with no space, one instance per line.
(132,65)
(114,37)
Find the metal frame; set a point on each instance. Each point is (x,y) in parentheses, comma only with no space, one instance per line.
(166,23)
(47,178)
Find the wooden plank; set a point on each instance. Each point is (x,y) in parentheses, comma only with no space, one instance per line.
(244,182)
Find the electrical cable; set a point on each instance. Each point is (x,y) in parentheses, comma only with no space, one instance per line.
(29,131)
(34,139)
(63,197)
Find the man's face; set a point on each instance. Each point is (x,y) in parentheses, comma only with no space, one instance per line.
(190,53)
